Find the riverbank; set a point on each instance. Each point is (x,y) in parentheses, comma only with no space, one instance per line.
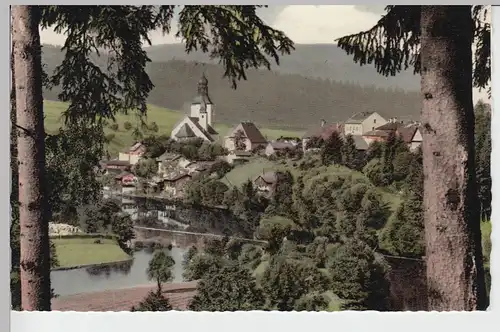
(80,252)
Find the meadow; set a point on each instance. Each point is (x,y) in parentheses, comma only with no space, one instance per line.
(72,252)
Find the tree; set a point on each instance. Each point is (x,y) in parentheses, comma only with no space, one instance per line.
(159,268)
(87,87)
(146,168)
(239,140)
(445,62)
(358,278)
(404,235)
(153,126)
(154,301)
(33,215)
(285,281)
(350,153)
(127,125)
(114,126)
(231,288)
(331,151)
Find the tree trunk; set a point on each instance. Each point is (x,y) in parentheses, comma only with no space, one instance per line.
(35,251)
(455,273)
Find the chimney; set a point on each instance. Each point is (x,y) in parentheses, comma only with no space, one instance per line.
(323,122)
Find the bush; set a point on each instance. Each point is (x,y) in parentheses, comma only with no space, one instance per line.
(153,127)
(127,125)
(109,137)
(114,126)
(374,171)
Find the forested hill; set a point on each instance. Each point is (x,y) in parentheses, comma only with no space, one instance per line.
(267,98)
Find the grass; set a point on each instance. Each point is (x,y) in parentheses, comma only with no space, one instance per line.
(164,118)
(238,175)
(83,251)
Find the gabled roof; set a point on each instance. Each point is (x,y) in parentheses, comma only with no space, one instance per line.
(323,132)
(359,117)
(136,146)
(208,133)
(360,142)
(250,131)
(407,133)
(268,177)
(185,132)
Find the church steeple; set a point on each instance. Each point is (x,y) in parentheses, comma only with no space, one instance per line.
(203,98)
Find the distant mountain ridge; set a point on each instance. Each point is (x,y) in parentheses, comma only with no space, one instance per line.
(304,89)
(326,61)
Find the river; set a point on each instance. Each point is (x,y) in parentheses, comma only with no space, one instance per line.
(84,280)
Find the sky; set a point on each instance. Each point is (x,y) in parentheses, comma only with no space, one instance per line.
(304,24)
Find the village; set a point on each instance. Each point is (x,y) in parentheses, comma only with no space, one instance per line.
(241,144)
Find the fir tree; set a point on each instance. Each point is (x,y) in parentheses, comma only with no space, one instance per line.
(350,153)
(331,151)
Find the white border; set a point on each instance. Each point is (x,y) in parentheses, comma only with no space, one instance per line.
(252,321)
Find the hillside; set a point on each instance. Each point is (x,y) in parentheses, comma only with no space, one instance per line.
(270,99)
(326,61)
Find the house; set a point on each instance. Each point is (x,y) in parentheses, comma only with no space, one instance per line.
(323,132)
(238,157)
(133,154)
(174,185)
(381,133)
(166,161)
(247,134)
(266,182)
(410,133)
(273,148)
(126,179)
(199,123)
(412,136)
(115,166)
(363,122)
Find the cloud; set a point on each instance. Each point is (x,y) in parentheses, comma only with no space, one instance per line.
(323,24)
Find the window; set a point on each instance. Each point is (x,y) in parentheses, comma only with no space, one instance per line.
(374,120)
(373,128)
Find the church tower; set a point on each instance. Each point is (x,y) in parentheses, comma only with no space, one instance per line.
(202,106)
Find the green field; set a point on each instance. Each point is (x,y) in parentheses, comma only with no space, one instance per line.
(73,252)
(164,118)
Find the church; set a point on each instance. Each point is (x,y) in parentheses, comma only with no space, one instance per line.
(198,124)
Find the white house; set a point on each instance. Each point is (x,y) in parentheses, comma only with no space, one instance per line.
(199,123)
(363,122)
(133,154)
(249,135)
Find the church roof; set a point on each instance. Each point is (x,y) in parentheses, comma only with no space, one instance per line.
(185,132)
(210,130)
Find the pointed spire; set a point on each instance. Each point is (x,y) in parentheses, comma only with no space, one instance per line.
(203,97)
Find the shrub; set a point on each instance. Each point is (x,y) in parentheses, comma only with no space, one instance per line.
(114,126)
(127,125)
(109,137)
